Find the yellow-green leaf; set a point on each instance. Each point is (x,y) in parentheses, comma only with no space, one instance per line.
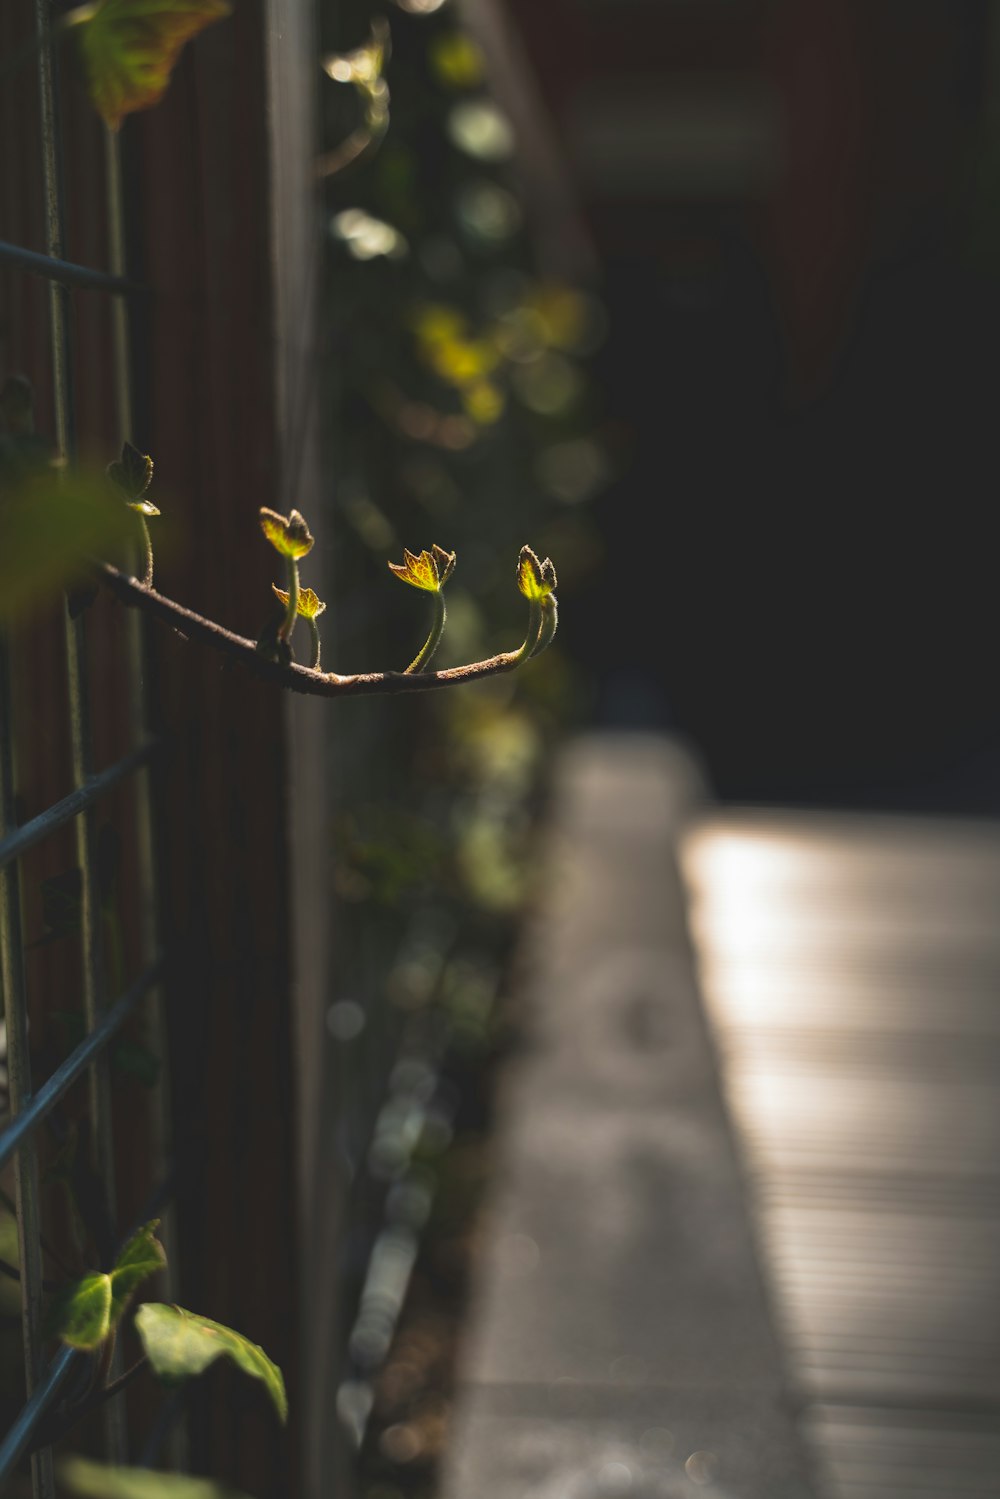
(535,579)
(445,563)
(50,522)
(309,605)
(288,534)
(180,1344)
(84,1313)
(92,1480)
(130,48)
(81,1314)
(428,571)
(142,1257)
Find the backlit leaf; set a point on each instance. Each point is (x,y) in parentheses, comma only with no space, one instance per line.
(288,534)
(81,1314)
(310,606)
(142,1257)
(130,48)
(93,1480)
(50,522)
(536,580)
(180,1344)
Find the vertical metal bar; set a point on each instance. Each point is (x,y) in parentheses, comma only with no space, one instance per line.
(161,1124)
(19,1072)
(102,1142)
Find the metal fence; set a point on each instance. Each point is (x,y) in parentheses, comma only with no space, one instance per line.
(32,1100)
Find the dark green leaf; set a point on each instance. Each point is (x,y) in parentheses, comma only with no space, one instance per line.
(180,1344)
(132,473)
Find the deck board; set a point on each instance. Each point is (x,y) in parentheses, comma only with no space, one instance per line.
(851,972)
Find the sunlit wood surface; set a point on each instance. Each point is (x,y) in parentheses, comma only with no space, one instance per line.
(851,971)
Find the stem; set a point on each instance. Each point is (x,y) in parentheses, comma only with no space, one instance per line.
(292,607)
(314,637)
(547,628)
(534,626)
(189,625)
(433,640)
(57,1424)
(147,543)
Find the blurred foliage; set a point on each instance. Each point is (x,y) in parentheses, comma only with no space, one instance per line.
(130,48)
(463,410)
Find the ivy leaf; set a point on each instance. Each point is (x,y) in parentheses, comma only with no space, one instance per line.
(142,1257)
(93,1480)
(50,522)
(84,1313)
(309,606)
(288,534)
(132,472)
(81,1314)
(180,1344)
(130,48)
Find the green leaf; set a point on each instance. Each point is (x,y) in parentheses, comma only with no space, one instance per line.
(84,1313)
(50,522)
(130,48)
(535,579)
(98,1481)
(142,1257)
(81,1314)
(132,473)
(180,1344)
(288,534)
(309,606)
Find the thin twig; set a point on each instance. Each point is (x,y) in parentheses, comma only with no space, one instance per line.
(296,678)
(58,1423)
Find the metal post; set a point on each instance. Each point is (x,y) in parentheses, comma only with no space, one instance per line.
(19,1073)
(86,827)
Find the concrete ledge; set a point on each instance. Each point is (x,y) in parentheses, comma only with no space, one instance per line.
(620,1342)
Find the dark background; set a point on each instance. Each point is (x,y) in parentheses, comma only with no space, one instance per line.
(800,384)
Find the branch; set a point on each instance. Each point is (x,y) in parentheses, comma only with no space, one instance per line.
(296,678)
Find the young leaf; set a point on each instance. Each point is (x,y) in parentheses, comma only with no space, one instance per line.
(130,48)
(535,579)
(430,571)
(288,534)
(310,606)
(81,1314)
(142,1257)
(180,1344)
(90,1480)
(49,522)
(132,472)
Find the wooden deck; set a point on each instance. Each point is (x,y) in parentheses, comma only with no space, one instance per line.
(851,971)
